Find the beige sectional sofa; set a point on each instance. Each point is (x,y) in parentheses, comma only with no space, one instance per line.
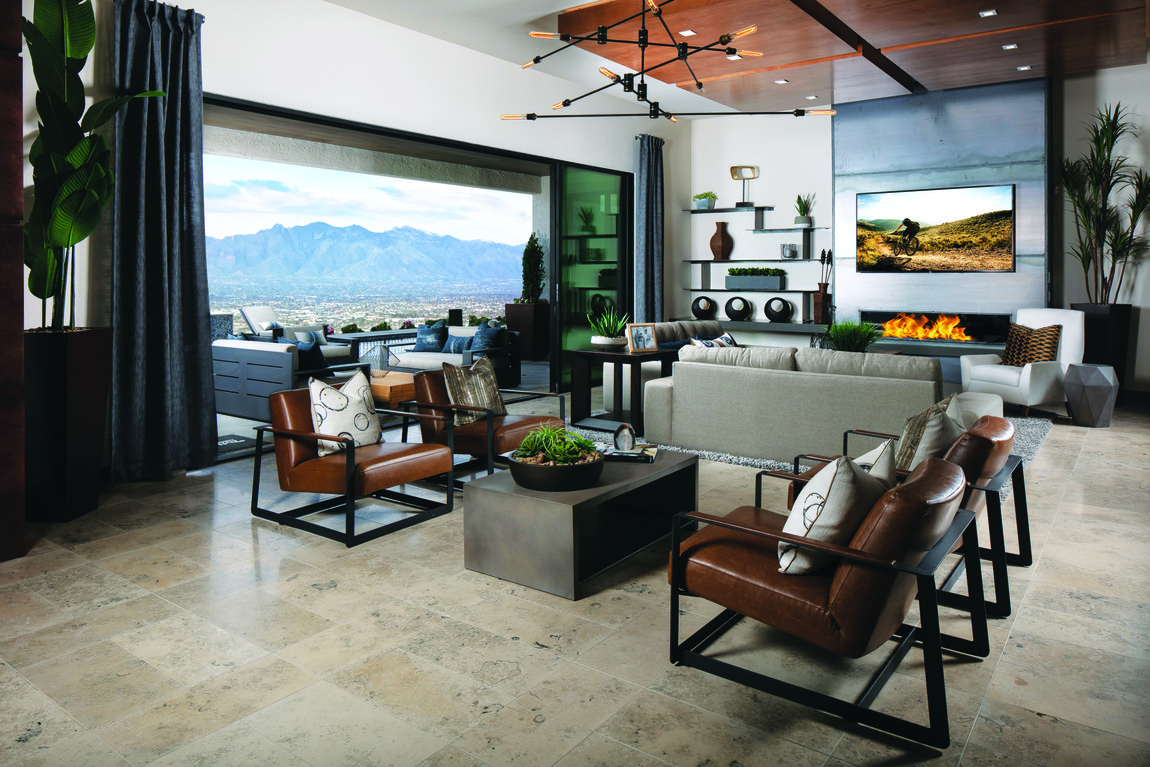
(678,330)
(777,402)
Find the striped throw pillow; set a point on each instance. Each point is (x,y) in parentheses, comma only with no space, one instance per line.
(1025,345)
(473,387)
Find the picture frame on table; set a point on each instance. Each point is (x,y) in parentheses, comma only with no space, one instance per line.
(641,337)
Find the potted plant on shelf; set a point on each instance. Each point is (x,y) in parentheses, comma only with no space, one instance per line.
(850,336)
(587,219)
(529,315)
(803,207)
(1108,198)
(67,370)
(608,329)
(552,459)
(755,278)
(705,200)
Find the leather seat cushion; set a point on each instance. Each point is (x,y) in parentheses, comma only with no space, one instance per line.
(741,572)
(379,467)
(510,430)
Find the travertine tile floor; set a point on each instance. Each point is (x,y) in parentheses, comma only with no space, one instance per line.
(168,627)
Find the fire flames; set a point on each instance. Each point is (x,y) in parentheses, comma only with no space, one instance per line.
(911,326)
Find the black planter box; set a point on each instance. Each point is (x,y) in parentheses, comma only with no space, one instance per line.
(67,376)
(1107,337)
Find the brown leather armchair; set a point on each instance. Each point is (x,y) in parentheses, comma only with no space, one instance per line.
(486,439)
(356,472)
(983,454)
(850,608)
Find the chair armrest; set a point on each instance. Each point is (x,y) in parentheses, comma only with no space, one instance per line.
(409,414)
(995,483)
(865,433)
(308,434)
(1042,382)
(435,406)
(536,395)
(965,363)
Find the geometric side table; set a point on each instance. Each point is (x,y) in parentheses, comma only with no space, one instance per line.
(1090,393)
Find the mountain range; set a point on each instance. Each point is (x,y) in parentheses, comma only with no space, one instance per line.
(354,255)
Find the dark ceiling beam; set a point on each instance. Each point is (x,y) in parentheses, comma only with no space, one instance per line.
(839,29)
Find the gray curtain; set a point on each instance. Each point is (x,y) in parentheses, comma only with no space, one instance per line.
(163,405)
(649,231)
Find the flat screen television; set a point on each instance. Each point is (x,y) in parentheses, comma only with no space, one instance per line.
(963,229)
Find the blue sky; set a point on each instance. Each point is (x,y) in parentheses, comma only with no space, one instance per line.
(935,206)
(243,196)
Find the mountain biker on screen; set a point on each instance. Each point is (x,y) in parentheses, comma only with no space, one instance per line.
(912,228)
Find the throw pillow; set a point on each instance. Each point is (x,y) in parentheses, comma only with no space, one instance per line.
(270,325)
(830,508)
(456,344)
(430,338)
(487,338)
(880,463)
(727,339)
(675,345)
(713,343)
(473,387)
(308,354)
(1025,345)
(929,434)
(346,412)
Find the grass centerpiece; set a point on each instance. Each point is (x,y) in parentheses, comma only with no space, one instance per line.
(553,459)
(608,329)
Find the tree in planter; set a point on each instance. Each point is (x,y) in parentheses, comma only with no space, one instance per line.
(1105,226)
(71,163)
(534,272)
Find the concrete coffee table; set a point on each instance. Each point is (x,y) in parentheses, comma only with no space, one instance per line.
(556,542)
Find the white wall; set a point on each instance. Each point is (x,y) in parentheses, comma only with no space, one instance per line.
(1082,96)
(793,155)
(317,57)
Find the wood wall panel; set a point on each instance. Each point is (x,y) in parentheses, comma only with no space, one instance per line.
(11,287)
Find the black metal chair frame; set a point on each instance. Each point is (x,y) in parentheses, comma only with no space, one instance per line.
(996,553)
(928,635)
(488,462)
(347,500)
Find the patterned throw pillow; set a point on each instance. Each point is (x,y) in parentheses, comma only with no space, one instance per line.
(830,508)
(456,344)
(929,434)
(1025,345)
(488,337)
(722,341)
(473,387)
(430,338)
(346,412)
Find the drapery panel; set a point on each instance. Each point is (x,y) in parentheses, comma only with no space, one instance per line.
(163,404)
(649,231)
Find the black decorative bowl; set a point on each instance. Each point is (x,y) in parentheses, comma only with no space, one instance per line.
(738,314)
(576,476)
(779,309)
(704,308)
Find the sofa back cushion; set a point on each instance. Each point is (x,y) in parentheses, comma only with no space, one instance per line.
(684,329)
(762,357)
(870,364)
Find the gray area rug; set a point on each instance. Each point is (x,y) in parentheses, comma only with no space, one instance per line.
(1028,436)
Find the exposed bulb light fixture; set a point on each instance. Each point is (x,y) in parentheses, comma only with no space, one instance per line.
(823,112)
(561,104)
(987,14)
(749,54)
(744,32)
(1010,47)
(609,74)
(549,36)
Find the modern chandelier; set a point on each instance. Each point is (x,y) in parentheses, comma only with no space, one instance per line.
(636,82)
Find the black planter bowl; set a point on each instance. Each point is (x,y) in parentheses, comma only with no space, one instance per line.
(577,476)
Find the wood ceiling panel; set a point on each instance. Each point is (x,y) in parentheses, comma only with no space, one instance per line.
(1079,46)
(859,80)
(754,92)
(786,35)
(885,23)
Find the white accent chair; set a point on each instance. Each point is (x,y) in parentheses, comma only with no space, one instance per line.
(1039,382)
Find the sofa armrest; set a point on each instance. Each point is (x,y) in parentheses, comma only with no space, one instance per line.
(969,361)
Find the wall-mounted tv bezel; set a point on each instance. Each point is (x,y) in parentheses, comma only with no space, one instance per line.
(917,205)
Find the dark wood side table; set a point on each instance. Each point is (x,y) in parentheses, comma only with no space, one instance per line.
(581,360)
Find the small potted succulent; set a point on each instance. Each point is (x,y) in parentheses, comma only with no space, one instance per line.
(705,200)
(803,207)
(552,459)
(608,329)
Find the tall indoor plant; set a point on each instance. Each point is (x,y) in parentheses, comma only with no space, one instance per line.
(67,370)
(1108,197)
(529,315)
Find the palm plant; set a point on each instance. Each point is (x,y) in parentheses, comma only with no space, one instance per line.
(71,163)
(1105,226)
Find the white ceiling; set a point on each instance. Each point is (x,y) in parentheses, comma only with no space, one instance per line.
(499,28)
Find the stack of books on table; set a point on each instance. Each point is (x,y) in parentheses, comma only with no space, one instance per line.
(638,454)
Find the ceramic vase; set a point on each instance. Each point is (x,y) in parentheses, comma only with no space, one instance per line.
(721,242)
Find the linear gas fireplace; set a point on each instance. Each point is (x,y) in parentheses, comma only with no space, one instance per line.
(943,328)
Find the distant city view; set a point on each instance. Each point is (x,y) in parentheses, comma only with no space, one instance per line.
(335,248)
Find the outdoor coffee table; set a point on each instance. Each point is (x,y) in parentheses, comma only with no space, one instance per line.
(556,542)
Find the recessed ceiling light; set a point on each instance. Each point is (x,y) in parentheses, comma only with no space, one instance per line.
(1010,47)
(733,55)
(781,82)
(687,33)
(987,14)
(811,98)
(1025,68)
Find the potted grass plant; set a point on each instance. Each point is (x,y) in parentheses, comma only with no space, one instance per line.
(608,329)
(1109,198)
(67,369)
(551,458)
(850,336)
(803,205)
